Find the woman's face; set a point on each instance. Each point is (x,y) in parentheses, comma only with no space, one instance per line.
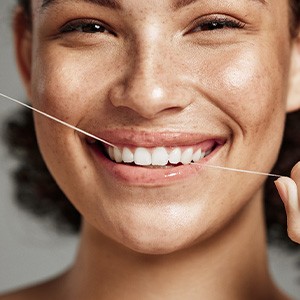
(209,75)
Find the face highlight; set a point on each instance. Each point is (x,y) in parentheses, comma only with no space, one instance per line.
(168,76)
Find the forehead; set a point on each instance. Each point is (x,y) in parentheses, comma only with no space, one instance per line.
(118,4)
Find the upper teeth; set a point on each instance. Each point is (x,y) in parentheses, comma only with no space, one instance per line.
(159,156)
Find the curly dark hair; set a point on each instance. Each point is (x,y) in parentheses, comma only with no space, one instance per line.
(37,191)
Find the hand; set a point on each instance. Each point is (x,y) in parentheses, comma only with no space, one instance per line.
(289,191)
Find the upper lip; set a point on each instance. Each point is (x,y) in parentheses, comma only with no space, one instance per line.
(124,137)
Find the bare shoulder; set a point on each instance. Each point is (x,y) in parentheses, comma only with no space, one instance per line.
(22,294)
(279,295)
(46,290)
(18,295)
(30,293)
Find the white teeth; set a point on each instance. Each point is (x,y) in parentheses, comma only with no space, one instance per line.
(187,156)
(175,156)
(117,155)
(203,155)
(142,157)
(127,156)
(198,155)
(111,153)
(160,157)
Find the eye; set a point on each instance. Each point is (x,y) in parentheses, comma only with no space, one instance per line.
(86,26)
(218,24)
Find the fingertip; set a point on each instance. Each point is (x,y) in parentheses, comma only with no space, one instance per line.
(296,171)
(288,192)
(282,189)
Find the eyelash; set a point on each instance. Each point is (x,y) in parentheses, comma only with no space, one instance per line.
(220,23)
(92,27)
(86,26)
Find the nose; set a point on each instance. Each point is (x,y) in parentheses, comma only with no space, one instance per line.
(152,82)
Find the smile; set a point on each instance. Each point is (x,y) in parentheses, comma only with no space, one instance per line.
(159,156)
(154,159)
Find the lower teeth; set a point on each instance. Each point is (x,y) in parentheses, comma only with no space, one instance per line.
(158,167)
(149,166)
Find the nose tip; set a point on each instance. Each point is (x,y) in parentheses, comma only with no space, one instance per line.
(148,99)
(157,93)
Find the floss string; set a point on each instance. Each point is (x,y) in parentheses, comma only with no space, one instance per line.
(57,120)
(239,170)
(108,143)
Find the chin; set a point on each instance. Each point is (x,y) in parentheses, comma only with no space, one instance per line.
(160,234)
(156,245)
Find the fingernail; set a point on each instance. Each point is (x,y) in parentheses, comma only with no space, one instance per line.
(282,190)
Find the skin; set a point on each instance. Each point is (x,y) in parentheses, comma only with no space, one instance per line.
(153,74)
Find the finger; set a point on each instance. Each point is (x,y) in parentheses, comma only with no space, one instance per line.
(288,191)
(295,175)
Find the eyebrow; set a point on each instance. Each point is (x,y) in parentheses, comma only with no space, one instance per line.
(115,4)
(182,3)
(106,3)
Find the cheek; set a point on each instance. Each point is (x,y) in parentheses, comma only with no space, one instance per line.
(250,88)
(256,95)
(59,91)
(69,84)
(241,76)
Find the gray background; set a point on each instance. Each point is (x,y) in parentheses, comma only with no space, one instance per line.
(29,251)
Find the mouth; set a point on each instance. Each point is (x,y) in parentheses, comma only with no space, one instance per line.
(156,159)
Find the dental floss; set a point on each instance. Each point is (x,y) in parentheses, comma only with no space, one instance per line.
(103,141)
(57,120)
(239,170)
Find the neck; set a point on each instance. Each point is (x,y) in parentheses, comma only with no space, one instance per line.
(230,265)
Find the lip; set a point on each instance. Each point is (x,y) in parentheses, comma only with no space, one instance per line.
(143,176)
(127,137)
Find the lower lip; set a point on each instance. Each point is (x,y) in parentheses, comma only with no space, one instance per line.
(143,176)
